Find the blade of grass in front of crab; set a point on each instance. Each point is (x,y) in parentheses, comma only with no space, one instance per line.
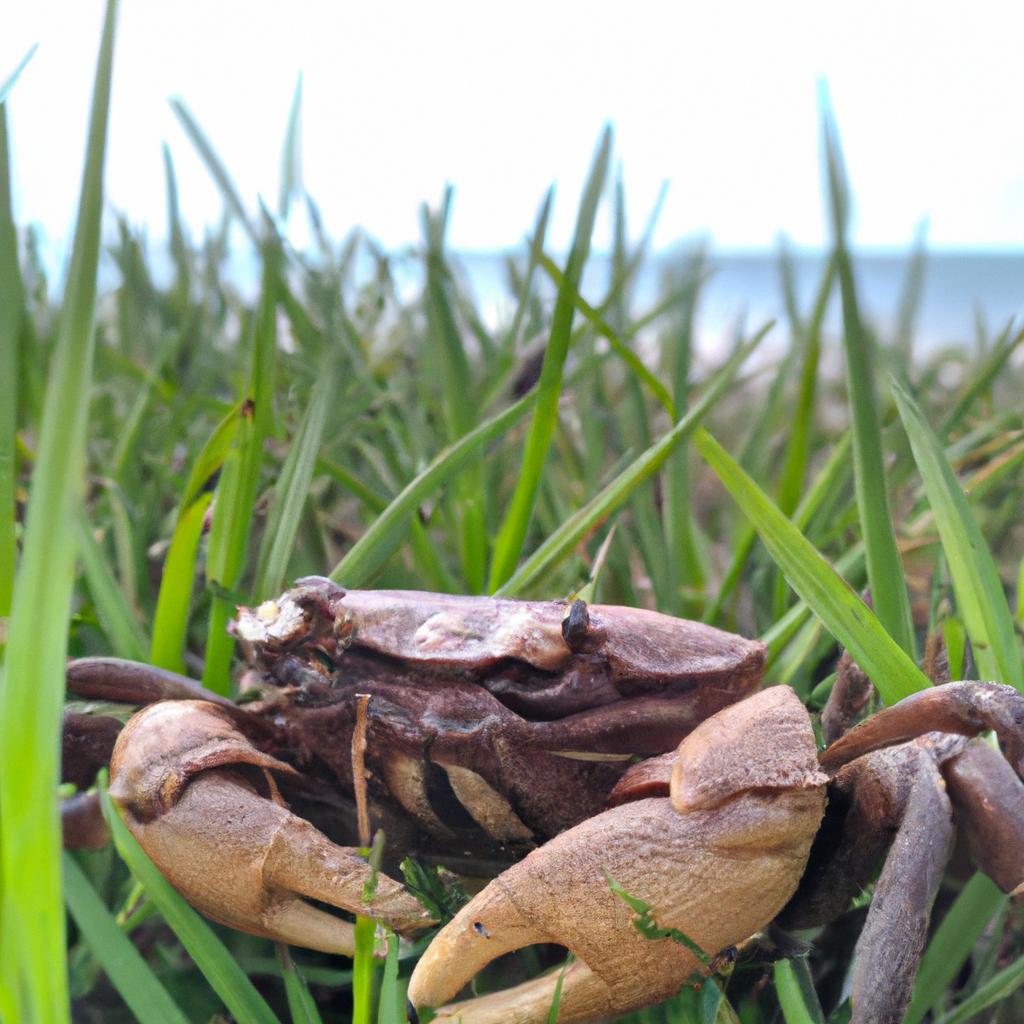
(239,482)
(291,491)
(795,989)
(32,677)
(301,1004)
(885,568)
(952,943)
(565,538)
(122,629)
(843,613)
(365,969)
(391,1004)
(390,528)
(980,597)
(210,955)
(215,166)
(11,314)
(130,975)
(511,535)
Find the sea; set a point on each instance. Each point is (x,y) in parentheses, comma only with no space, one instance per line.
(966,298)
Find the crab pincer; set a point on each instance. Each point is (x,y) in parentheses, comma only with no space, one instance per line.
(713,842)
(203,802)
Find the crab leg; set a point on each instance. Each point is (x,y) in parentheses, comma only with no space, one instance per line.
(890,946)
(133,682)
(965,708)
(202,801)
(715,858)
(989,802)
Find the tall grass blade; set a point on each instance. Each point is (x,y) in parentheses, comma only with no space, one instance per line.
(11,313)
(8,82)
(570,533)
(32,681)
(512,533)
(842,612)
(291,155)
(291,491)
(215,166)
(170,622)
(119,623)
(980,597)
(885,569)
(135,982)
(1002,984)
(390,528)
(457,381)
(239,482)
(218,966)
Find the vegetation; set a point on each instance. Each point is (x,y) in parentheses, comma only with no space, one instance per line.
(177,446)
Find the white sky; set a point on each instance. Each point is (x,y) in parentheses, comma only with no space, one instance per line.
(501,100)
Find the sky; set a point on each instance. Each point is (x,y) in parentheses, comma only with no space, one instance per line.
(400,98)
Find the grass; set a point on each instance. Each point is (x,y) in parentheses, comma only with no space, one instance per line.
(176,447)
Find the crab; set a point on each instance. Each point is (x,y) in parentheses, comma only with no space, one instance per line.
(600,763)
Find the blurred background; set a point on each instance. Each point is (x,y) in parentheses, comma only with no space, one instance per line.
(719,101)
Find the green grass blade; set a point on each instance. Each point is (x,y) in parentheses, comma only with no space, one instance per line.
(364,970)
(239,483)
(11,313)
(795,989)
(291,491)
(301,1005)
(952,943)
(214,165)
(212,958)
(135,982)
(842,612)
(457,381)
(170,623)
(603,328)
(1002,984)
(291,155)
(981,380)
(392,1004)
(512,534)
(8,82)
(885,568)
(565,538)
(390,528)
(32,682)
(980,597)
(123,630)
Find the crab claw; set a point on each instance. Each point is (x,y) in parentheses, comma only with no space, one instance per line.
(203,803)
(714,858)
